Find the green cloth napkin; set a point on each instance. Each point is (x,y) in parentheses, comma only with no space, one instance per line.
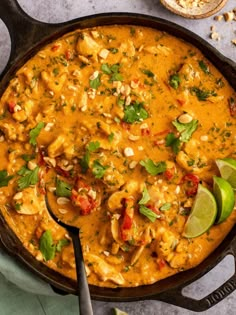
(23,293)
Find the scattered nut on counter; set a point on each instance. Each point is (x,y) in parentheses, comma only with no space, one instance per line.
(227,17)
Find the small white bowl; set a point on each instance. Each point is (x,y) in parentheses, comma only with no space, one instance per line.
(194,9)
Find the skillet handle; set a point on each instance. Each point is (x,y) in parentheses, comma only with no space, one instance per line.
(24,31)
(175,296)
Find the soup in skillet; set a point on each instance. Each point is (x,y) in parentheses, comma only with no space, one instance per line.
(120,124)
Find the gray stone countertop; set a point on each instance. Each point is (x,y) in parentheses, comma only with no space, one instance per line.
(62,10)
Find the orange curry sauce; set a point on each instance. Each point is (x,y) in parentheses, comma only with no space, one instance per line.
(121,124)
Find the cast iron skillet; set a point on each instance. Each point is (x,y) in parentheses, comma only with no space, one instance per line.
(27,37)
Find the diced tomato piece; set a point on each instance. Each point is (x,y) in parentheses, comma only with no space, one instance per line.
(69,54)
(127,220)
(11,106)
(145,131)
(181,102)
(232,106)
(169,173)
(84,202)
(125,126)
(55,47)
(191,182)
(161,263)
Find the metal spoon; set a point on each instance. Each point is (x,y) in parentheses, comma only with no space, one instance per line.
(85,305)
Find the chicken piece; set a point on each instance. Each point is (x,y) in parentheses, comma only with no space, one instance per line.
(56,148)
(28,201)
(87,46)
(199,163)
(127,48)
(52,84)
(103,270)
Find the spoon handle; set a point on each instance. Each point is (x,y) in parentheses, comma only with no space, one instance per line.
(82,284)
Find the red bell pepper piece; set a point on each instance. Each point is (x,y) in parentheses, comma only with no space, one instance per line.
(127,218)
(192,182)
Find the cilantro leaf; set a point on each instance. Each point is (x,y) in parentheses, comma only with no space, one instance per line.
(95,83)
(61,243)
(113,50)
(174,81)
(46,246)
(112,70)
(135,113)
(152,216)
(93,146)
(35,132)
(29,177)
(202,95)
(63,189)
(166,206)
(204,67)
(27,157)
(98,169)
(111,137)
(173,142)
(153,168)
(148,73)
(116,77)
(84,162)
(186,130)
(4,178)
(145,197)
(106,68)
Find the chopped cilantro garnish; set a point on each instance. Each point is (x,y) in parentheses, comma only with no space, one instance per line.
(55,71)
(166,206)
(35,132)
(174,81)
(84,162)
(113,71)
(204,67)
(153,168)
(148,73)
(61,243)
(152,216)
(145,196)
(173,142)
(135,113)
(4,178)
(202,95)
(113,50)
(46,246)
(28,177)
(63,189)
(98,169)
(95,83)
(93,146)
(111,137)
(186,130)
(116,77)
(27,157)
(132,31)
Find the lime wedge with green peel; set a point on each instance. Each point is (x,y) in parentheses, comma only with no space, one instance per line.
(224,195)
(227,168)
(116,311)
(202,215)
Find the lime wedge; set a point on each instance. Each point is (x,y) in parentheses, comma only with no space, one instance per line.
(202,215)
(116,311)
(227,168)
(224,195)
